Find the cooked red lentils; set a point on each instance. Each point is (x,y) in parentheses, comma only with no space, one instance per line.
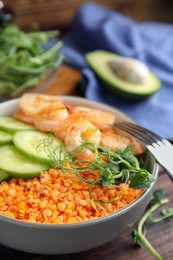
(58,198)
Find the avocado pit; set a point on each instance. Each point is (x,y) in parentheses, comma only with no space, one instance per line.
(130,70)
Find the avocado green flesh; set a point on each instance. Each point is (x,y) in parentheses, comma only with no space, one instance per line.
(98,61)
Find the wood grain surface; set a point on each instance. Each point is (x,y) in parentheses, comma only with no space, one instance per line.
(64,83)
(59,14)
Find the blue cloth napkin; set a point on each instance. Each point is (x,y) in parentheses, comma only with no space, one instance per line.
(95,27)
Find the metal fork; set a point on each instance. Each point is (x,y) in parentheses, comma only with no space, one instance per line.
(159,147)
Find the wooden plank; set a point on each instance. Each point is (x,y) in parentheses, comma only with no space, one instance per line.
(62,82)
(57,14)
(65,82)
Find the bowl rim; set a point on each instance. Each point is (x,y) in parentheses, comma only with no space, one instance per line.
(97,220)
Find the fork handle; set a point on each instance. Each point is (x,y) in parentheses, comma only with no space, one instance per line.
(163,153)
(168,168)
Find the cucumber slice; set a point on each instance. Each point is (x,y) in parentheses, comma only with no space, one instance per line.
(11,125)
(15,164)
(3,176)
(5,138)
(30,144)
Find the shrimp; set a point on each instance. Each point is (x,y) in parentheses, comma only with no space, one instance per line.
(72,124)
(45,125)
(43,122)
(100,119)
(61,130)
(113,140)
(49,121)
(137,147)
(35,104)
(24,118)
(79,131)
(44,111)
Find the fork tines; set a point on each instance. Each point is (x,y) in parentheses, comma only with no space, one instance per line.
(160,148)
(145,136)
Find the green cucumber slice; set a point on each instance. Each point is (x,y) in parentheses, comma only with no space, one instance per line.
(30,144)
(11,125)
(3,176)
(5,138)
(16,164)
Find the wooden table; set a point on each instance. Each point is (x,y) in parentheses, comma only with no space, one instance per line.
(122,247)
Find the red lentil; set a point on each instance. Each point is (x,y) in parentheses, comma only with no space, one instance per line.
(55,198)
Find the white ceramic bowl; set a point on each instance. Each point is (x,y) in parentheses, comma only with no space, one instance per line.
(69,238)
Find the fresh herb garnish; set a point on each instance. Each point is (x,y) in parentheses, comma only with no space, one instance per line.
(24,59)
(138,234)
(117,167)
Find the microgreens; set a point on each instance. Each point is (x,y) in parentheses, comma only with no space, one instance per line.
(138,234)
(114,168)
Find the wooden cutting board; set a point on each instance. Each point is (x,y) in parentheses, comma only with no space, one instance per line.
(64,82)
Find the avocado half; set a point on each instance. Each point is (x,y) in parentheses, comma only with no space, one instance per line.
(98,61)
